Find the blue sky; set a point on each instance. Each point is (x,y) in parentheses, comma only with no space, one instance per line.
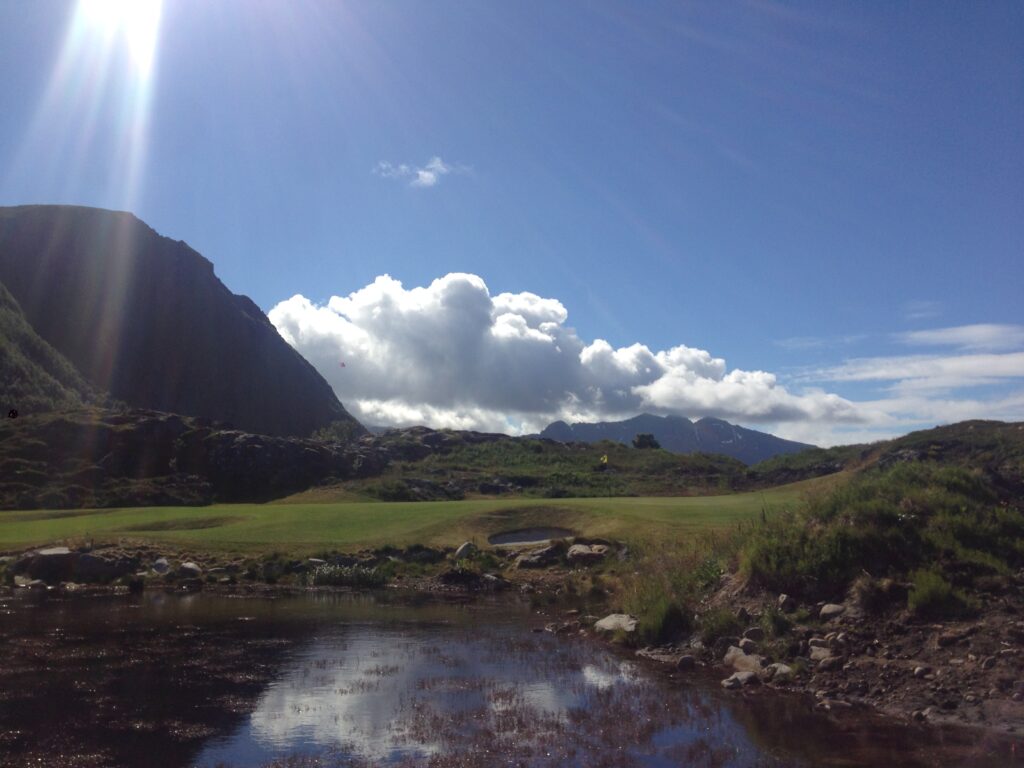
(796,188)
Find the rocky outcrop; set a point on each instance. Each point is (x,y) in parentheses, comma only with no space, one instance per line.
(586,554)
(53,565)
(98,458)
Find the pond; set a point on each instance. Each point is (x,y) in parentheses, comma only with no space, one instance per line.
(171,681)
(527,536)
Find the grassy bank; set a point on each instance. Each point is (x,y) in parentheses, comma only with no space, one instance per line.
(936,540)
(306,528)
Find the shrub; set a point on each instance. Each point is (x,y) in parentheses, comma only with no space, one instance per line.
(716,623)
(347,576)
(339,432)
(775,623)
(645,440)
(876,595)
(392,490)
(933,597)
(887,523)
(662,621)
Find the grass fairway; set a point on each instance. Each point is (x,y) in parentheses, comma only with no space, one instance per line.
(308,528)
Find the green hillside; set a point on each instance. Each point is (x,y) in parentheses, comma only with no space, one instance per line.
(33,375)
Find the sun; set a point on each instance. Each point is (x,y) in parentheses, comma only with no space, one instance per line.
(135,22)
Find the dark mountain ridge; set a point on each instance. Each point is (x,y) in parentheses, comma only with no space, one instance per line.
(680,435)
(144,318)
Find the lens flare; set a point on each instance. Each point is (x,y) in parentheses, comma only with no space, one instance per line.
(136,22)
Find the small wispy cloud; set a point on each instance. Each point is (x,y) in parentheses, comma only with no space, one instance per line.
(921,310)
(800,343)
(981,336)
(932,371)
(425,176)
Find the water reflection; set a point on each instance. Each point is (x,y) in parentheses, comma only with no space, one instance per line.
(170,682)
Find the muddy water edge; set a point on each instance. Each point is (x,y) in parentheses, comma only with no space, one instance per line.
(392,678)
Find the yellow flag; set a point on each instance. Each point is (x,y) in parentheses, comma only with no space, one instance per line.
(604,459)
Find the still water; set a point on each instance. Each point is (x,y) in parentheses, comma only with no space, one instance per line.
(380,679)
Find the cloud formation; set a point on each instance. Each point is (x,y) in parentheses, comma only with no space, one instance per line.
(981,336)
(426,176)
(451,354)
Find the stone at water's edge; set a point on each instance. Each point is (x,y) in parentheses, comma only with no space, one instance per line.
(584,554)
(739,679)
(779,672)
(190,570)
(831,611)
(616,622)
(686,663)
(161,565)
(741,661)
(466,549)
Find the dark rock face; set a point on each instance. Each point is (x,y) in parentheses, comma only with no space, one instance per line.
(97,458)
(58,564)
(144,318)
(678,434)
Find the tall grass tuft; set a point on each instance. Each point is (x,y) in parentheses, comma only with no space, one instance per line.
(347,576)
(932,597)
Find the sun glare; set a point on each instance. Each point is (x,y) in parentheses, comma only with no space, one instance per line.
(136,22)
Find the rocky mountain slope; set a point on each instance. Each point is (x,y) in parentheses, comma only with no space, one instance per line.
(680,435)
(145,318)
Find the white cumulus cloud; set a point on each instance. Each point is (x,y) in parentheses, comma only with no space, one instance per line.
(452,354)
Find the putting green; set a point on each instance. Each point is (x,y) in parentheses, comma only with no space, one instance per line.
(253,528)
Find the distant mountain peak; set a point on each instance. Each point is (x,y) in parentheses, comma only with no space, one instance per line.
(680,435)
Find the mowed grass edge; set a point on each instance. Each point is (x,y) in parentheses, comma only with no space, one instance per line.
(307,528)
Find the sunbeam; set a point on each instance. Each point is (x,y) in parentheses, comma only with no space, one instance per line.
(95,110)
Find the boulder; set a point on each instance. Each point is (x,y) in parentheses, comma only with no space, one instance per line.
(779,673)
(466,549)
(616,622)
(786,604)
(820,653)
(686,663)
(831,610)
(189,570)
(747,645)
(161,566)
(586,554)
(722,644)
(52,565)
(494,582)
(90,568)
(739,679)
(830,663)
(754,633)
(539,558)
(741,661)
